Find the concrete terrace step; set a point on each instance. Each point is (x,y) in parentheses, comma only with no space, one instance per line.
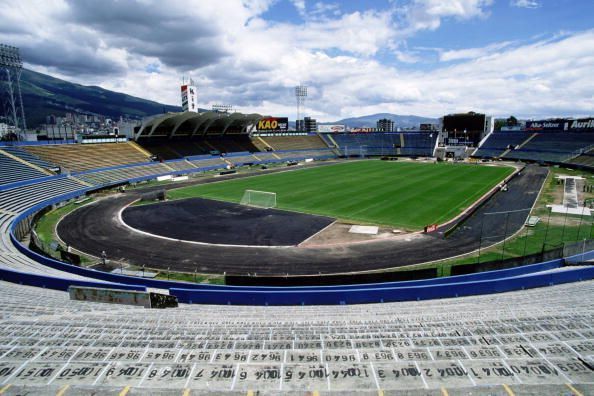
(476,344)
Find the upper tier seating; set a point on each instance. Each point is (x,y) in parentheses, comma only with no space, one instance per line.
(12,170)
(390,143)
(178,148)
(553,146)
(82,157)
(278,143)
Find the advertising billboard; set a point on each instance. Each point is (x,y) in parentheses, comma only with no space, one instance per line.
(545,125)
(189,96)
(564,124)
(273,124)
(331,128)
(584,123)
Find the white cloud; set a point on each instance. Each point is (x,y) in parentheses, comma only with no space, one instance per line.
(407,56)
(428,14)
(472,53)
(300,6)
(238,57)
(525,3)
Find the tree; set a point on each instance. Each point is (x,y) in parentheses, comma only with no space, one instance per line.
(512,121)
(499,123)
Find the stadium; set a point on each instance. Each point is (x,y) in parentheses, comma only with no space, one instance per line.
(468,269)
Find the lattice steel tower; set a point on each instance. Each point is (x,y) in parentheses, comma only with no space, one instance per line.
(300,95)
(11,67)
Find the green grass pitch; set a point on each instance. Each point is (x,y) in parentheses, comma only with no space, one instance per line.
(407,195)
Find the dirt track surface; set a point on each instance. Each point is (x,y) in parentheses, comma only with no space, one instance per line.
(216,222)
(96,227)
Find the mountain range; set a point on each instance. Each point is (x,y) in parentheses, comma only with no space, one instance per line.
(369,121)
(44,95)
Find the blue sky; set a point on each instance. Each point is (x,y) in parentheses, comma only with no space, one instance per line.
(530,58)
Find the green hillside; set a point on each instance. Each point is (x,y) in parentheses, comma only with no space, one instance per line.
(44,95)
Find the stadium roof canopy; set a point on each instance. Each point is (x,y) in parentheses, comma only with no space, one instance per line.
(196,124)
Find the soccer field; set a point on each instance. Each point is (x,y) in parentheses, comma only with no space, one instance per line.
(400,194)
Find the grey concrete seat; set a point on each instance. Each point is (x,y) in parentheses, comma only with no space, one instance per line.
(482,344)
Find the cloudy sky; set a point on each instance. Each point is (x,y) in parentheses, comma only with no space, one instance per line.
(530,58)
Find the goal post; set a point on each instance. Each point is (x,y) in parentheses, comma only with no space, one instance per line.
(259,199)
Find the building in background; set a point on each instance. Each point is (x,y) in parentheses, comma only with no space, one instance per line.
(428,127)
(307,124)
(385,125)
(189,97)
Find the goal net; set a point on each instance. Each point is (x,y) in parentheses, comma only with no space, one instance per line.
(260,199)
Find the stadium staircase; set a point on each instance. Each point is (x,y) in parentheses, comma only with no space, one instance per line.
(525,142)
(503,154)
(142,151)
(498,143)
(261,144)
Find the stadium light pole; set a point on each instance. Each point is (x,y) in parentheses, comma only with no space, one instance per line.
(11,68)
(300,95)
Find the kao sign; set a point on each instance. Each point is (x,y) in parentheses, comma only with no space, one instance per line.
(273,124)
(268,124)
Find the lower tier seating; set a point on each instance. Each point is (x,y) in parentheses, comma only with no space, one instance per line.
(553,146)
(498,142)
(12,170)
(389,143)
(537,341)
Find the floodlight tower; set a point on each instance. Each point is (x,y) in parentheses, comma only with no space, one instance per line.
(11,67)
(300,95)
